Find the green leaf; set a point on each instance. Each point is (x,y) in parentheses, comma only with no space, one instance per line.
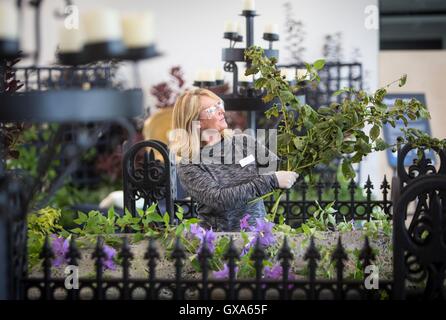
(347,169)
(166,218)
(260,83)
(286,96)
(403,80)
(339,137)
(340,91)
(154,216)
(251,70)
(374,132)
(319,64)
(111,213)
(298,142)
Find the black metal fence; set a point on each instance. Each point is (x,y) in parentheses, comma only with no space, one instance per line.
(284,287)
(419,252)
(154,180)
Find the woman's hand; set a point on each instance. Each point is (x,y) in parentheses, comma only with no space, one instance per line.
(286,179)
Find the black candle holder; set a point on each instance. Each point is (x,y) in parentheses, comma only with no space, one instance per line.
(71,58)
(271,38)
(58,94)
(140,53)
(9,48)
(233,36)
(107,50)
(205,84)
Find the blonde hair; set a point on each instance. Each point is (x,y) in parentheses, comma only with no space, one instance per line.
(185,138)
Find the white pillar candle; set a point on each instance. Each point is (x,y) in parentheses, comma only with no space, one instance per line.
(102,25)
(230,26)
(272,28)
(219,75)
(249,5)
(70,40)
(8,20)
(209,75)
(137,29)
(205,75)
(302,74)
(199,76)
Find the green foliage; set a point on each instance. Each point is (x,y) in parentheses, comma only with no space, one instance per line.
(323,219)
(40,225)
(334,131)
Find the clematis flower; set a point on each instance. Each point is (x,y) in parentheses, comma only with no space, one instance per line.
(208,237)
(224,273)
(274,272)
(264,232)
(244,222)
(60,248)
(203,235)
(108,262)
(196,230)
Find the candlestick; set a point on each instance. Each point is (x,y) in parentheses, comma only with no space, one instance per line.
(272,28)
(8,21)
(219,75)
(137,29)
(209,75)
(102,25)
(249,5)
(70,40)
(230,26)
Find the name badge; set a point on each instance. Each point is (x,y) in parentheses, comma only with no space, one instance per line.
(247,160)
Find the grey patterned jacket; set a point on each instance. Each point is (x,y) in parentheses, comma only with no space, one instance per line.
(223,187)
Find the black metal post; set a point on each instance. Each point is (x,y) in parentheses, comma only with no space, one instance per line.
(249,15)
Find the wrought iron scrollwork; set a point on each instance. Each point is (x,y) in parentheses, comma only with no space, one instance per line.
(420,249)
(420,167)
(146,177)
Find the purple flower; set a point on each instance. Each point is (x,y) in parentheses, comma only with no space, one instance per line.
(205,236)
(196,230)
(224,273)
(264,232)
(108,262)
(274,272)
(60,249)
(244,224)
(208,238)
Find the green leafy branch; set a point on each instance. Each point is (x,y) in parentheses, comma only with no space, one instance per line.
(339,130)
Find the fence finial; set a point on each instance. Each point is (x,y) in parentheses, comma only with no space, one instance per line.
(73,253)
(339,256)
(366,255)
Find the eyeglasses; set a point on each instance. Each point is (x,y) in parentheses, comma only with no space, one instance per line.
(212,110)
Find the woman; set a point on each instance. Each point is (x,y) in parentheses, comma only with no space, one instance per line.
(221,184)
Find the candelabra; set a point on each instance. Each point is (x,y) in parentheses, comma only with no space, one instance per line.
(244,97)
(74,92)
